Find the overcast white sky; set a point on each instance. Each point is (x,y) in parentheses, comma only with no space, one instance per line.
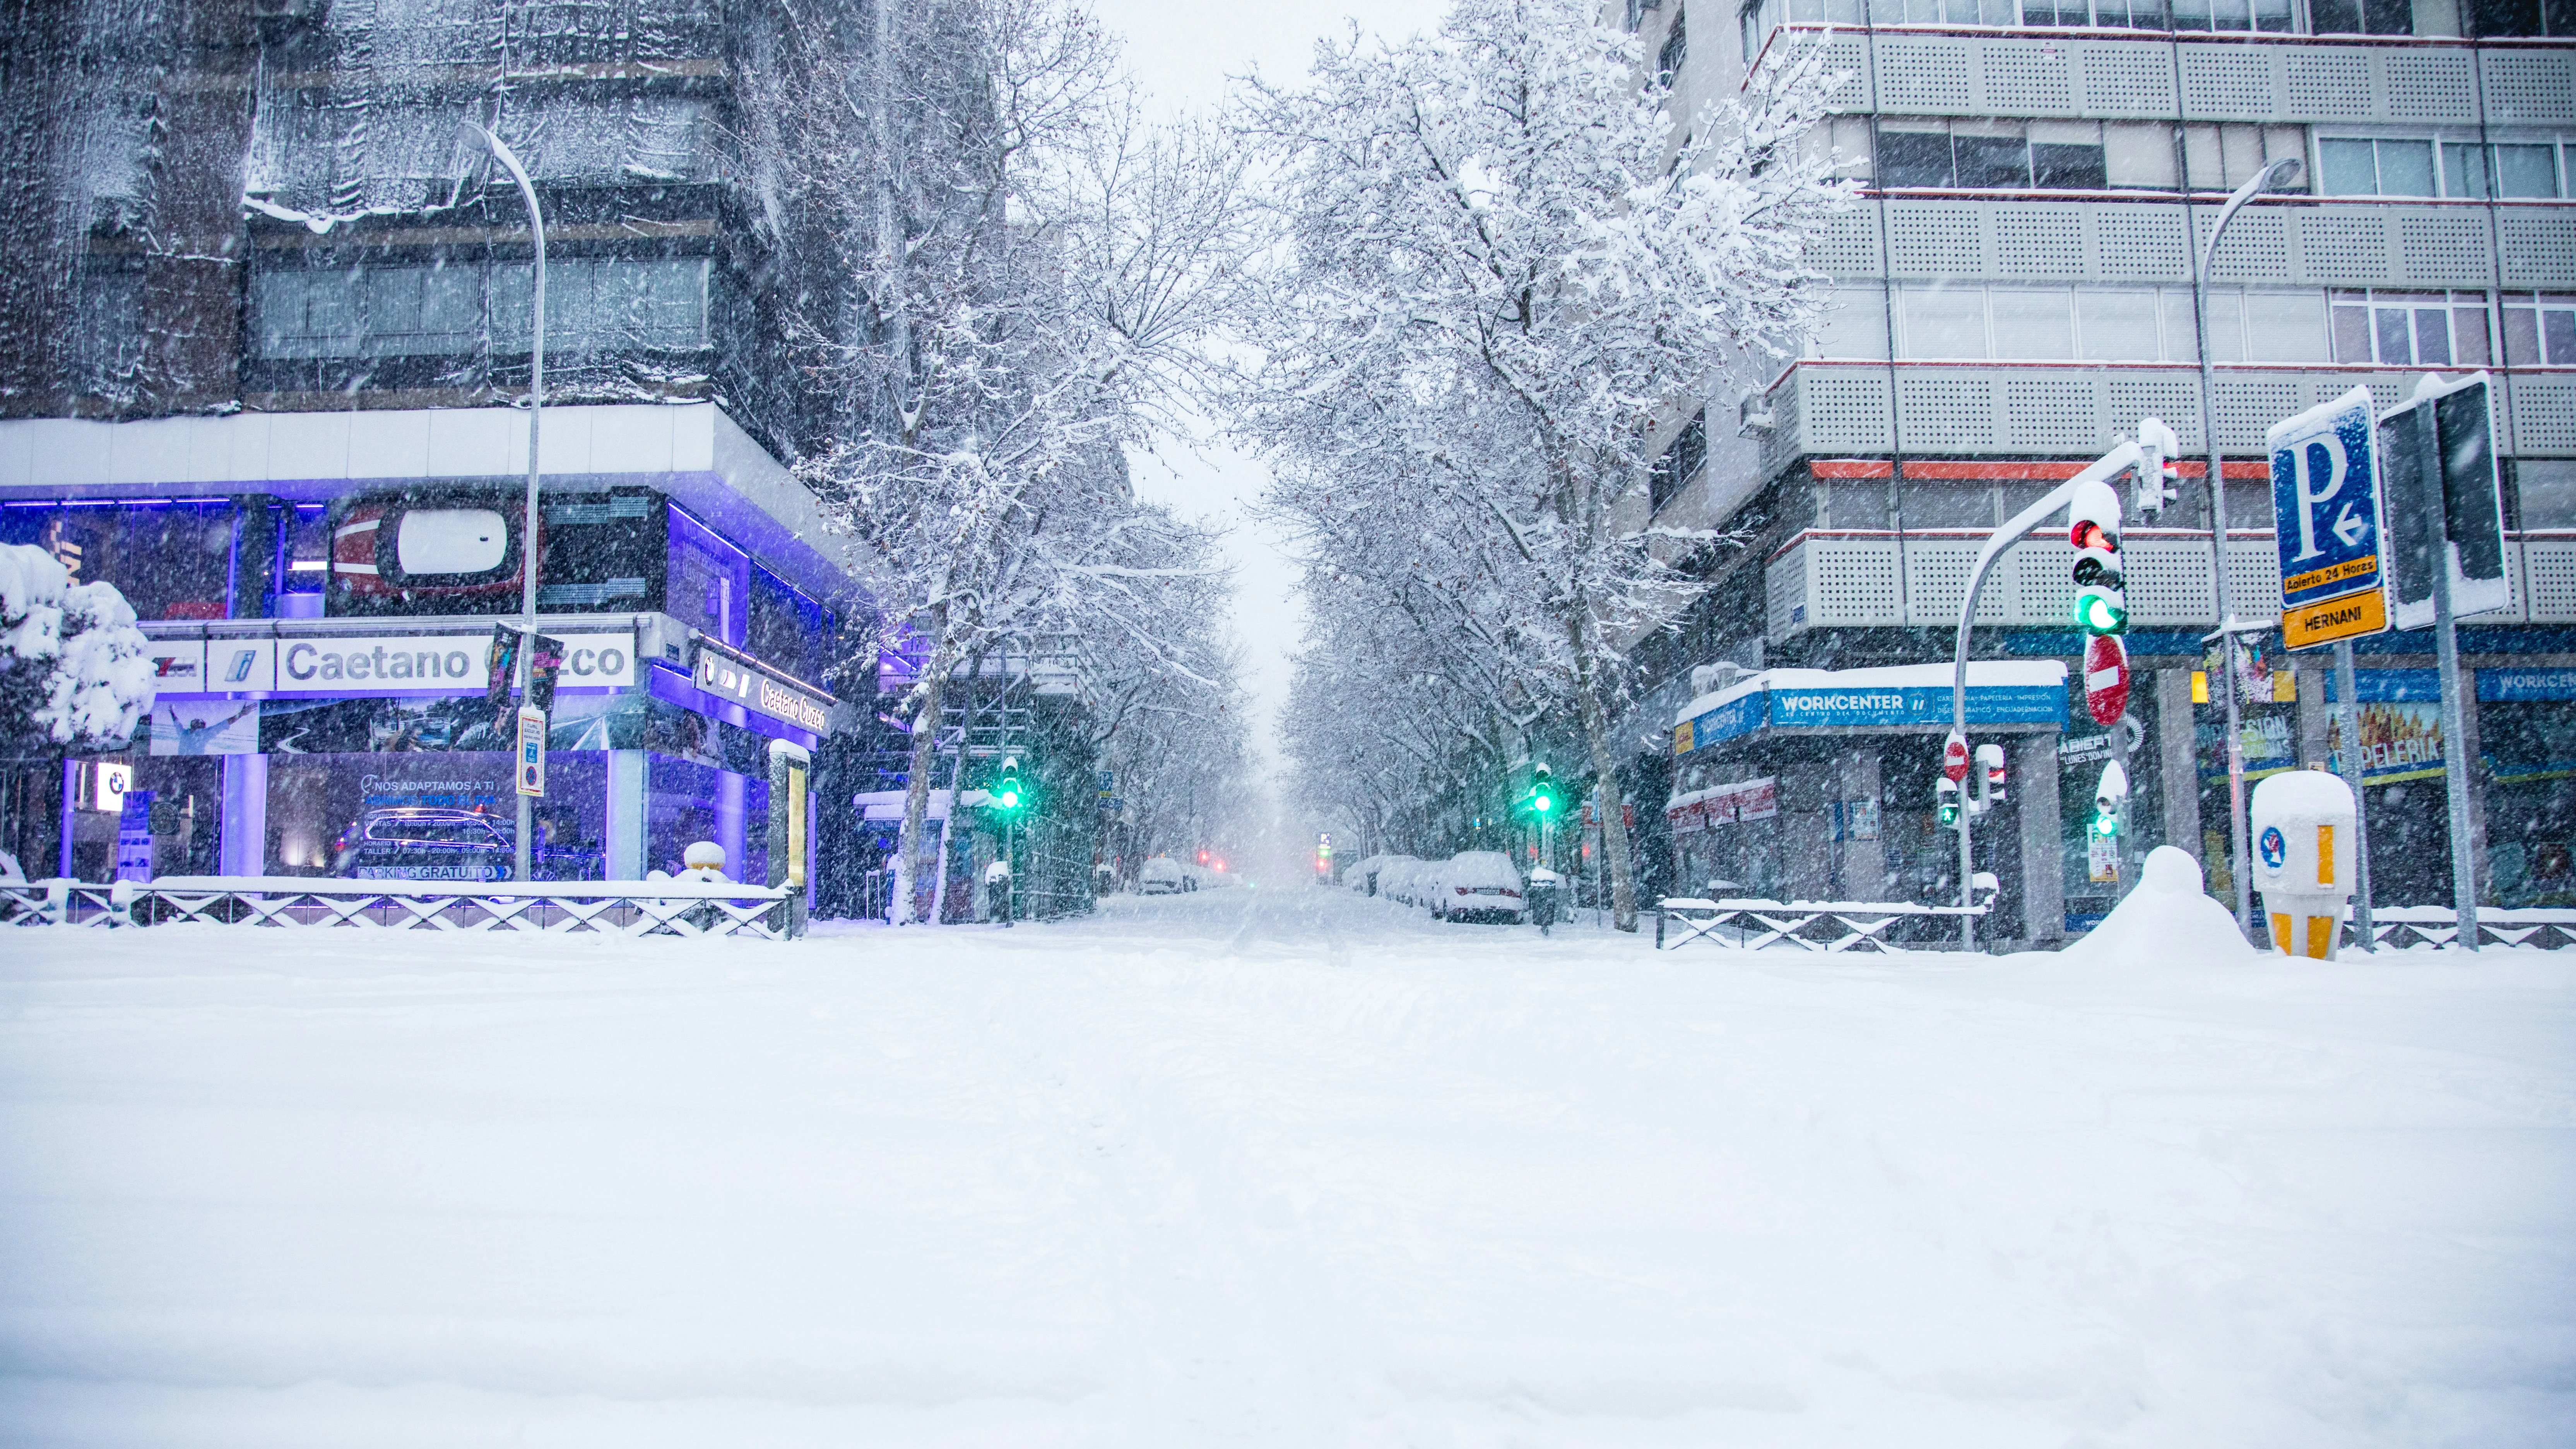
(1184,54)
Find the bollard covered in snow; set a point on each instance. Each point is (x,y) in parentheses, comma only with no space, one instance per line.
(2302,822)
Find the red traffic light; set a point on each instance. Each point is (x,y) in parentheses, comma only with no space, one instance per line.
(2089,534)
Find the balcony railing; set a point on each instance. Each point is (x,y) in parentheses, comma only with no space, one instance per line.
(2060,238)
(2285,79)
(1880,579)
(2045,409)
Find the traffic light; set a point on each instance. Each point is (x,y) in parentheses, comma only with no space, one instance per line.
(2101,600)
(1008,793)
(1945,797)
(1542,790)
(2110,801)
(1990,758)
(2152,482)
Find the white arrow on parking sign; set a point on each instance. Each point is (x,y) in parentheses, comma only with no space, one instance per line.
(2349,528)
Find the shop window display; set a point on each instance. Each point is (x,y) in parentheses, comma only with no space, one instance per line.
(446,815)
(170,560)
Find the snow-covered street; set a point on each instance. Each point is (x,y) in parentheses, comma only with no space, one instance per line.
(1272,1167)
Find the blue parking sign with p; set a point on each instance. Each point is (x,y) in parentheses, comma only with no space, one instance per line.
(2326,508)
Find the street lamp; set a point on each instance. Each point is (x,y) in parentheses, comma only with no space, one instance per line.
(2279,173)
(528,533)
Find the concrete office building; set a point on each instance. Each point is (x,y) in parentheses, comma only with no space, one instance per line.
(2013,293)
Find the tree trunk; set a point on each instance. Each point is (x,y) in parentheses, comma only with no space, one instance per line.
(916,794)
(1614,828)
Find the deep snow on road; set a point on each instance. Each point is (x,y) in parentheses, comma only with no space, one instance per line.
(1273,1167)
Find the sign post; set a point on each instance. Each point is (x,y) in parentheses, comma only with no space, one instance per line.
(2447,518)
(2330,520)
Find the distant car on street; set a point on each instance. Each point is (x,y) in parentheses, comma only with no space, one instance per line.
(1479,885)
(1162,876)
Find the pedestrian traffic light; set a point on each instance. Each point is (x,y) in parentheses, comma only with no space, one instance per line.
(2101,600)
(1945,797)
(1542,790)
(1008,793)
(2110,801)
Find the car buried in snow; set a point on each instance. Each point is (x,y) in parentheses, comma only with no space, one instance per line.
(1478,885)
(1161,876)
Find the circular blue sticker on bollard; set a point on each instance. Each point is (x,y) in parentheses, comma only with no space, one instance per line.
(2275,849)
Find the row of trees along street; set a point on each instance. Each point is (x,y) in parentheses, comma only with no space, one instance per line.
(1042,274)
(1506,269)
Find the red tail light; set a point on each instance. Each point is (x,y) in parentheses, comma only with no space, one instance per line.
(1462,890)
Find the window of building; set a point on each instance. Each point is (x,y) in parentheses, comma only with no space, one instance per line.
(1854,325)
(1668,61)
(1948,505)
(1681,462)
(2411,329)
(1946,323)
(2361,17)
(2354,167)
(429,311)
(2484,172)
(2109,324)
(2539,329)
(2522,17)
(2072,157)
(1761,17)
(2270,15)
(2034,324)
(2545,492)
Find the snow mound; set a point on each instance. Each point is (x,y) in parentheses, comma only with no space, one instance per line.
(2168,918)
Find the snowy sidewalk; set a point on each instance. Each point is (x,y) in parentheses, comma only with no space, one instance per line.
(1275,1168)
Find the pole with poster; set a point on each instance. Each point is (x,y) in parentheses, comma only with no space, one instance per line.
(2446,520)
(2330,520)
(791,766)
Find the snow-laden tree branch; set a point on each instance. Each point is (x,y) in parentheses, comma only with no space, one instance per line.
(1046,273)
(75,674)
(1501,278)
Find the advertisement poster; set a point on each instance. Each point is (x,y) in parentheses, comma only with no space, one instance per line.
(2269,745)
(401,725)
(206,727)
(2400,741)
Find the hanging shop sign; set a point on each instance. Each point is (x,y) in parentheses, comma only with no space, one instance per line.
(354,664)
(740,679)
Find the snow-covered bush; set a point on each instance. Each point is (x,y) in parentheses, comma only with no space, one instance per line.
(75,674)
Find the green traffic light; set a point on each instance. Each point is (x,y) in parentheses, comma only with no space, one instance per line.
(1542,804)
(1010,798)
(2106,825)
(1949,814)
(2098,615)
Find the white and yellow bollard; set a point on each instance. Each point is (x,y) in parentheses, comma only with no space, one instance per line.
(2303,824)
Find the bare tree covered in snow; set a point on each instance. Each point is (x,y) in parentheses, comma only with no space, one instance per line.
(75,674)
(1503,271)
(1042,271)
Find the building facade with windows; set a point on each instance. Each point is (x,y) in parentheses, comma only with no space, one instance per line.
(270,323)
(2013,292)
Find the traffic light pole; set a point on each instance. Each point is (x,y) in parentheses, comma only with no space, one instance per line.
(2101,470)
